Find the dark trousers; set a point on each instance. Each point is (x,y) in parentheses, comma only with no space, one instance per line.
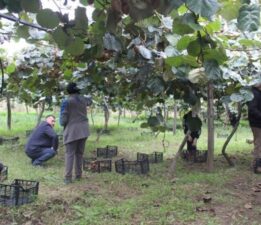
(41,155)
(191,148)
(74,150)
(257,142)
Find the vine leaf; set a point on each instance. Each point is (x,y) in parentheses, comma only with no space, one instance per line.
(249,17)
(32,6)
(47,18)
(205,8)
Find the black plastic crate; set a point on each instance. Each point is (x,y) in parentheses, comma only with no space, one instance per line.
(4,173)
(198,157)
(98,166)
(154,157)
(201,156)
(18,193)
(11,140)
(108,152)
(137,167)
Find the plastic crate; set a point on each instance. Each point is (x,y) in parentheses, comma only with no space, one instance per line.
(108,152)
(4,173)
(18,193)
(11,140)
(201,156)
(198,157)
(98,166)
(137,167)
(154,157)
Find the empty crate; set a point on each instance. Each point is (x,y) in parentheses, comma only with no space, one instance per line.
(11,140)
(108,152)
(18,193)
(154,157)
(4,173)
(198,156)
(138,167)
(94,165)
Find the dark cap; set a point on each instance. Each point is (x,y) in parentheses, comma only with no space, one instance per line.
(72,88)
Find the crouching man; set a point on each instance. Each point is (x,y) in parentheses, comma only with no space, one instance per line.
(43,142)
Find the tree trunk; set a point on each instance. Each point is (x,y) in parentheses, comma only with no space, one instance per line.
(9,111)
(26,108)
(91,112)
(106,117)
(210,160)
(175,109)
(124,112)
(119,115)
(42,108)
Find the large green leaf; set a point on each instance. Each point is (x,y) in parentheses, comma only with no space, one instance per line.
(182,60)
(47,18)
(156,85)
(205,8)
(179,27)
(10,68)
(250,43)
(166,6)
(217,54)
(75,46)
(184,42)
(190,20)
(32,6)
(14,6)
(229,9)
(112,43)
(249,17)
(212,70)
(60,37)
(194,48)
(81,20)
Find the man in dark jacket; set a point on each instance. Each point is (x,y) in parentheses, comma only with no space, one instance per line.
(193,124)
(43,142)
(254,117)
(76,130)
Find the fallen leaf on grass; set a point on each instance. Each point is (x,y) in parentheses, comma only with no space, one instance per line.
(248,206)
(206,199)
(205,209)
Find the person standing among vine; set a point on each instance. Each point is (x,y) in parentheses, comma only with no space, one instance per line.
(254,117)
(76,130)
(193,124)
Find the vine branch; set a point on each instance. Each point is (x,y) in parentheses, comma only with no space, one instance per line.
(17,20)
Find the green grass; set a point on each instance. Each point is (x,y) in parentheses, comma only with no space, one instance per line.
(111,198)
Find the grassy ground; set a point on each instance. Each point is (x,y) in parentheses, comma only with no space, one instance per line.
(193,196)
